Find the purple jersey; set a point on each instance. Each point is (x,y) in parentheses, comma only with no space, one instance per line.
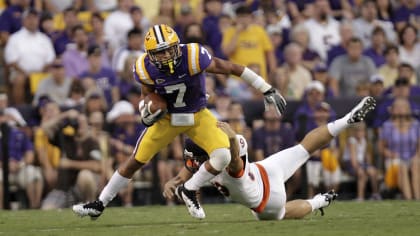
(184,90)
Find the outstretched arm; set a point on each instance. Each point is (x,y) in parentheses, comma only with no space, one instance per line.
(170,186)
(271,96)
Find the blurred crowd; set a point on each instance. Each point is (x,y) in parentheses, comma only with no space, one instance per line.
(69,103)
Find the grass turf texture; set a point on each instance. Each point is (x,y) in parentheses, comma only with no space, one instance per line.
(342,218)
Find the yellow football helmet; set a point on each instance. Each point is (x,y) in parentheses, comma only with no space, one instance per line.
(162,46)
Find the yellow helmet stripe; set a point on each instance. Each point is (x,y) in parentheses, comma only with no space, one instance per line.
(158,34)
(142,72)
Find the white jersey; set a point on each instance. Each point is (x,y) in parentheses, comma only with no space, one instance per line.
(261,185)
(246,189)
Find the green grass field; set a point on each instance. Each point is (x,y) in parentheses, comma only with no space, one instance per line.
(342,218)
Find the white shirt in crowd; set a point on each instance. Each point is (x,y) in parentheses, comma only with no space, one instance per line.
(116,27)
(31,51)
(323,36)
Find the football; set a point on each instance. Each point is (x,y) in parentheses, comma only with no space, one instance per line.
(158,102)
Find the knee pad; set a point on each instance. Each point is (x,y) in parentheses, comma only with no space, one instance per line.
(220,158)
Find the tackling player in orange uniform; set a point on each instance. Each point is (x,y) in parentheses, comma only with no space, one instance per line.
(260,185)
(176,72)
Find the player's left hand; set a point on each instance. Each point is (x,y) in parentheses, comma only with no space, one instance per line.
(273,97)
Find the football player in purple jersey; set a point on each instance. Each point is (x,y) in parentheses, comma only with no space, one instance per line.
(176,72)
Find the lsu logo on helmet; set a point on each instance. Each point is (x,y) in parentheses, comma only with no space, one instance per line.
(162,46)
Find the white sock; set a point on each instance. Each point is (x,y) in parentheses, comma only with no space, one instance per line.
(339,125)
(317,202)
(198,179)
(114,185)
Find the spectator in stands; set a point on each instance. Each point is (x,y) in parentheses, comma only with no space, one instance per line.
(407,13)
(377,47)
(22,170)
(79,163)
(23,58)
(276,36)
(48,154)
(247,43)
(11,20)
(126,81)
(303,118)
(139,19)
(300,35)
(274,135)
(401,89)
(399,138)
(409,46)
(76,96)
(359,162)
(346,33)
(15,116)
(376,86)
(97,35)
(46,25)
(185,18)
(300,11)
(56,86)
(323,29)
(65,37)
(105,78)
(297,77)
(210,23)
(351,69)
(320,73)
(194,33)
(118,23)
(166,13)
(385,11)
(406,70)
(389,70)
(368,21)
(101,5)
(74,57)
(58,6)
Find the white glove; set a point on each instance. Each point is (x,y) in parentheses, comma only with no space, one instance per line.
(147,117)
(272,96)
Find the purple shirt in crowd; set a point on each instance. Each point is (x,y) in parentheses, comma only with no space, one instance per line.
(272,141)
(382,111)
(60,42)
(404,14)
(105,80)
(402,143)
(378,59)
(188,77)
(213,35)
(11,19)
(18,144)
(334,52)
(303,120)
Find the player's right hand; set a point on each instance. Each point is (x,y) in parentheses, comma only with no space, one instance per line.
(148,118)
